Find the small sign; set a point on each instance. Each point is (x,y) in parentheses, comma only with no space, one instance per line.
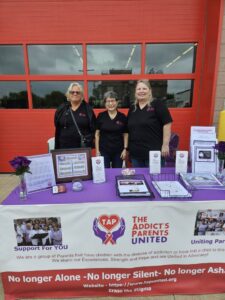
(42,173)
(154,162)
(98,169)
(181,162)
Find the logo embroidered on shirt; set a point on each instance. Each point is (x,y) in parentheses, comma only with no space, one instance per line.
(119,123)
(82,114)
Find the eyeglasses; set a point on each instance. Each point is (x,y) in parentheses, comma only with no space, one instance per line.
(110,101)
(74,92)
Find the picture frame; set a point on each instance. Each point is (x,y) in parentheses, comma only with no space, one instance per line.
(72,163)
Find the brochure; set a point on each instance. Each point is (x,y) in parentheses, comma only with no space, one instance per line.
(133,186)
(170,189)
(154,162)
(98,169)
(201,180)
(202,152)
(42,173)
(181,162)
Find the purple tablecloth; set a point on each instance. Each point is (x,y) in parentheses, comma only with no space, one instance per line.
(103,192)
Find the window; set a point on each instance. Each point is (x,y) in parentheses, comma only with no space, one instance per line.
(170,58)
(176,93)
(49,94)
(55,59)
(13,94)
(114,59)
(124,89)
(11,59)
(109,67)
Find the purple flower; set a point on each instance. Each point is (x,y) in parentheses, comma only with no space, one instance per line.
(20,164)
(220,147)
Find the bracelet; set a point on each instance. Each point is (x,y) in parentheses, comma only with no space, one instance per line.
(125,148)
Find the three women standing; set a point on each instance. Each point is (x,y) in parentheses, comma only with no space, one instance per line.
(149,126)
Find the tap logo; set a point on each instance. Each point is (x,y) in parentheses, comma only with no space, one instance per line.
(150,109)
(98,161)
(109,228)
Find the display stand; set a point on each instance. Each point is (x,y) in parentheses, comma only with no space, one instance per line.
(171,186)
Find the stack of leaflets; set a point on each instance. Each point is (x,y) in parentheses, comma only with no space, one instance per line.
(202,143)
(133,186)
(171,189)
(201,181)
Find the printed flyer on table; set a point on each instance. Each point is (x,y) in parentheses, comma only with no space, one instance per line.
(113,249)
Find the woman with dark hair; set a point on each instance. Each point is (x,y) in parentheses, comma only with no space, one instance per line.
(149,126)
(111,136)
(67,134)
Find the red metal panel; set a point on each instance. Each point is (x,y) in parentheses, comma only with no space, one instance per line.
(25,132)
(210,60)
(100,21)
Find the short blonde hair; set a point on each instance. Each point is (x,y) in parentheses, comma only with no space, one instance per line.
(71,86)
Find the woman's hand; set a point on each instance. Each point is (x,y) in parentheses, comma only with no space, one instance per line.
(98,153)
(165,151)
(123,154)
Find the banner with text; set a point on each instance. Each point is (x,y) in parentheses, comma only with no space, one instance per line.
(113,249)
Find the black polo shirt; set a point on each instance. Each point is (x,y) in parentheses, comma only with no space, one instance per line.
(111,132)
(68,135)
(145,127)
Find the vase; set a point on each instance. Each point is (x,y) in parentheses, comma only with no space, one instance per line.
(220,174)
(22,187)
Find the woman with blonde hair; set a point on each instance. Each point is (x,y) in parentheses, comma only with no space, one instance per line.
(149,126)
(74,120)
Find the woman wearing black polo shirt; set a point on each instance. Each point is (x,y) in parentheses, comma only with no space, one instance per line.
(149,126)
(111,136)
(66,134)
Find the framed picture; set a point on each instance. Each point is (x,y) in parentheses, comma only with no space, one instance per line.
(72,163)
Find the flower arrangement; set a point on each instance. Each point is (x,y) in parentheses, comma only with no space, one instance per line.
(21,165)
(220,147)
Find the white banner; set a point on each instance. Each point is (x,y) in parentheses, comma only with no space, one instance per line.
(111,235)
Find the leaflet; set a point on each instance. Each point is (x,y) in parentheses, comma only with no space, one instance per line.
(98,169)
(154,162)
(169,189)
(203,157)
(181,162)
(42,173)
(71,165)
(133,186)
(201,181)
